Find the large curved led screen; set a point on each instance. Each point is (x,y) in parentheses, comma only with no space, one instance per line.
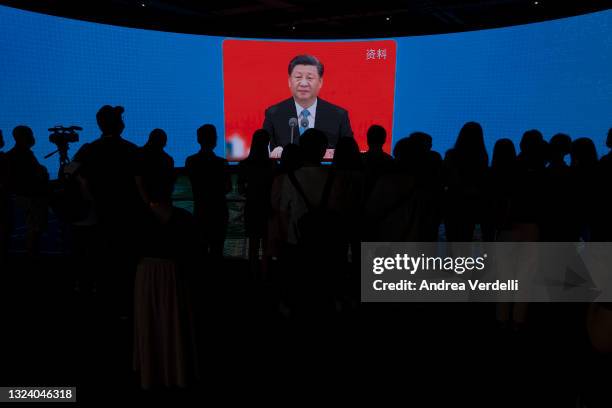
(554,76)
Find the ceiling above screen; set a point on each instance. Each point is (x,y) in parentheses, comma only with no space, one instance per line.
(314,18)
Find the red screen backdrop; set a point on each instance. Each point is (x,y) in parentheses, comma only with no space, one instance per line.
(359,76)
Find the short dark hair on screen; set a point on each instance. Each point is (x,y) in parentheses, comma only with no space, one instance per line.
(306,60)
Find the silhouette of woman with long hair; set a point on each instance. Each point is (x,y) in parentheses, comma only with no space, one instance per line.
(255,175)
(465,174)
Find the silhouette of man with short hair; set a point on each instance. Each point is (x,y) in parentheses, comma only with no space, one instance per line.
(376,161)
(376,137)
(106,168)
(26,175)
(27,180)
(210,182)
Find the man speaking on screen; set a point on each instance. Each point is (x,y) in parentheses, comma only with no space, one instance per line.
(287,120)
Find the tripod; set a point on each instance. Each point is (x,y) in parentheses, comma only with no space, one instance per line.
(64,160)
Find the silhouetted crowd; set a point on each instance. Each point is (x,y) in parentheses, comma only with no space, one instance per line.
(303,218)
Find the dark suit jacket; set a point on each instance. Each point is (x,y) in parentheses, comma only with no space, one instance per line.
(331,119)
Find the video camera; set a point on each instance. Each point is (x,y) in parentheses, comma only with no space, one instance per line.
(61,136)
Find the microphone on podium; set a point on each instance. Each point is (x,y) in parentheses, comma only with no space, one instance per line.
(293,122)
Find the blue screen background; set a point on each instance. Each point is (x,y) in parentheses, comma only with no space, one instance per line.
(554,76)
(61,71)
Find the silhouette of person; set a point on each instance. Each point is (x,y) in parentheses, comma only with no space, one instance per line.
(465,173)
(504,157)
(322,248)
(604,230)
(26,175)
(500,190)
(255,175)
(607,158)
(349,157)
(27,181)
(555,225)
(404,204)
(154,166)
(348,197)
(422,139)
(560,146)
(291,160)
(526,211)
(164,352)
(427,165)
(106,168)
(5,217)
(311,176)
(376,161)
(584,173)
(210,182)
(376,138)
(528,201)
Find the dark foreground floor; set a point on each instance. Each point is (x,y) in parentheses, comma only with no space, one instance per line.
(417,354)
